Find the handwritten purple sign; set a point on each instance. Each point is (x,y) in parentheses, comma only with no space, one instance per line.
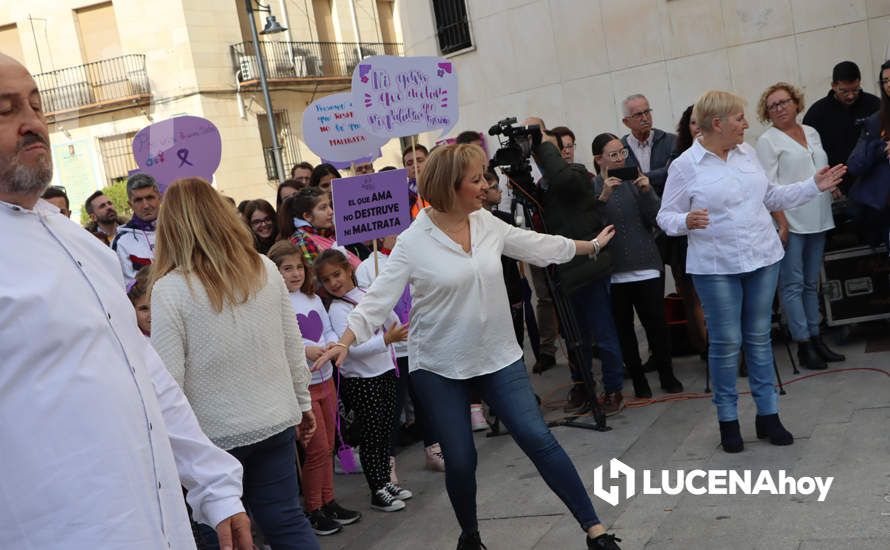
(332,129)
(403,96)
(180,147)
(370,206)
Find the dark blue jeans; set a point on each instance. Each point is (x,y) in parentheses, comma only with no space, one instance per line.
(271,494)
(509,394)
(592,305)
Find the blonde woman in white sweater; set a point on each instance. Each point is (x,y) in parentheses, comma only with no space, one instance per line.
(225,328)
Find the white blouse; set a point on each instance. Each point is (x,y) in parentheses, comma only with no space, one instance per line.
(460,318)
(740,236)
(372,357)
(787,161)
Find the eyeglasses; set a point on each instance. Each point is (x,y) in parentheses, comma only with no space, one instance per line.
(779,104)
(260,221)
(884,81)
(641,114)
(854,91)
(621,154)
(568,146)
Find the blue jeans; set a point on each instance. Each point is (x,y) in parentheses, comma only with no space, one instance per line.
(510,396)
(738,311)
(272,494)
(799,284)
(592,305)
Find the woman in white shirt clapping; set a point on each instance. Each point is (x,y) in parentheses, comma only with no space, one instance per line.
(461,334)
(790,152)
(718,194)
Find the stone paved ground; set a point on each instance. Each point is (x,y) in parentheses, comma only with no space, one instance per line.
(841,424)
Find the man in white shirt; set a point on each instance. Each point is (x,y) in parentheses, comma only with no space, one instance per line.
(98,439)
(650,148)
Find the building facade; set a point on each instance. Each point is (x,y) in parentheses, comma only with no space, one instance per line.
(573,61)
(108,69)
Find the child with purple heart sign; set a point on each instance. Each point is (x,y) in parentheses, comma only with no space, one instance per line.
(326,516)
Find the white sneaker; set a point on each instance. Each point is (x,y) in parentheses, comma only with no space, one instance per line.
(393,477)
(477,419)
(398,492)
(435,460)
(382,500)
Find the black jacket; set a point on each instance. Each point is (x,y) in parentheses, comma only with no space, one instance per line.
(571,210)
(663,145)
(512,279)
(837,126)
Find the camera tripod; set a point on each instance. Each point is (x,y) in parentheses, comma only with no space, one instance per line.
(533,213)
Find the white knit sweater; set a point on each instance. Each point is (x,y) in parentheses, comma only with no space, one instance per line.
(243,370)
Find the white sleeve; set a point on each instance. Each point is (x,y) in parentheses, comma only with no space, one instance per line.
(341,314)
(329,336)
(783,197)
(675,202)
(376,305)
(168,329)
(768,156)
(293,346)
(123,256)
(535,248)
(211,475)
(363,274)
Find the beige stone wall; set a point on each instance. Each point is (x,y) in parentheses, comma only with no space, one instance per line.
(573,61)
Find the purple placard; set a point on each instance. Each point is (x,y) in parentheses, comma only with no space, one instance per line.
(180,147)
(370,206)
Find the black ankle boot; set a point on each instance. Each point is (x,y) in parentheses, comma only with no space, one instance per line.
(669,382)
(770,426)
(544,363)
(808,358)
(470,542)
(823,351)
(731,437)
(641,384)
(606,541)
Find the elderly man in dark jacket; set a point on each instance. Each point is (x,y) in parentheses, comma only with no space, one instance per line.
(648,148)
(570,209)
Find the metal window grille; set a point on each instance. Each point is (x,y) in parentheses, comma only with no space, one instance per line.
(452,26)
(117,156)
(289,154)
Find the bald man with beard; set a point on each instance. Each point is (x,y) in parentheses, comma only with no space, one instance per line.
(97,438)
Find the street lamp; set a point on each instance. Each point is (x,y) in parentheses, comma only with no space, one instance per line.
(271,27)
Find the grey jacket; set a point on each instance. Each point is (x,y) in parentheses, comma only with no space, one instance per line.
(633,215)
(663,144)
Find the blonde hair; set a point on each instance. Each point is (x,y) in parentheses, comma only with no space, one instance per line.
(200,234)
(716,104)
(795,93)
(443,171)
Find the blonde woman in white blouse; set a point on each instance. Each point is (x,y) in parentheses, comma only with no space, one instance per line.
(461,333)
(790,152)
(718,194)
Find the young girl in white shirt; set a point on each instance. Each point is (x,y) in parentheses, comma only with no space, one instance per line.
(368,380)
(326,516)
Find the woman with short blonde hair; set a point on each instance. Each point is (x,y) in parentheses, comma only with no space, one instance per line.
(718,194)
(461,333)
(223,323)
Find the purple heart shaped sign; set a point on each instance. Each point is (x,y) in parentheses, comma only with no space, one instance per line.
(180,147)
(311,326)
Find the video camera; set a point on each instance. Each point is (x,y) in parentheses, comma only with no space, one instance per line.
(517,144)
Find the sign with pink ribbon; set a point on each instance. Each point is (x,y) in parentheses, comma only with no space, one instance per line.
(403,96)
(180,147)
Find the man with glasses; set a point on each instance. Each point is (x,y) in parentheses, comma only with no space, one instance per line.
(837,116)
(649,148)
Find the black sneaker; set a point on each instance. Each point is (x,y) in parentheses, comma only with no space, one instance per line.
(470,542)
(605,541)
(398,492)
(322,524)
(385,502)
(340,514)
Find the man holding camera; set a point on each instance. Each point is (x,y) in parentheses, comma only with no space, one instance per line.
(570,209)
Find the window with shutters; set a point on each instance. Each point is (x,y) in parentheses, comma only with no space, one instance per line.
(117,156)
(452,26)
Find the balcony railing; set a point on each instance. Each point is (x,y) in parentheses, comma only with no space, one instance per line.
(109,81)
(306,60)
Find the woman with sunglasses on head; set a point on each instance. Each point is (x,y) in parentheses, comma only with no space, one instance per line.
(637,282)
(791,152)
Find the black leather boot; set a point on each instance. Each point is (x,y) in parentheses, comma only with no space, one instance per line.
(731,437)
(770,426)
(669,382)
(470,542)
(808,358)
(825,353)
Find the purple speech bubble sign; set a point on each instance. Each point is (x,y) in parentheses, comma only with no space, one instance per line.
(403,96)
(180,147)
